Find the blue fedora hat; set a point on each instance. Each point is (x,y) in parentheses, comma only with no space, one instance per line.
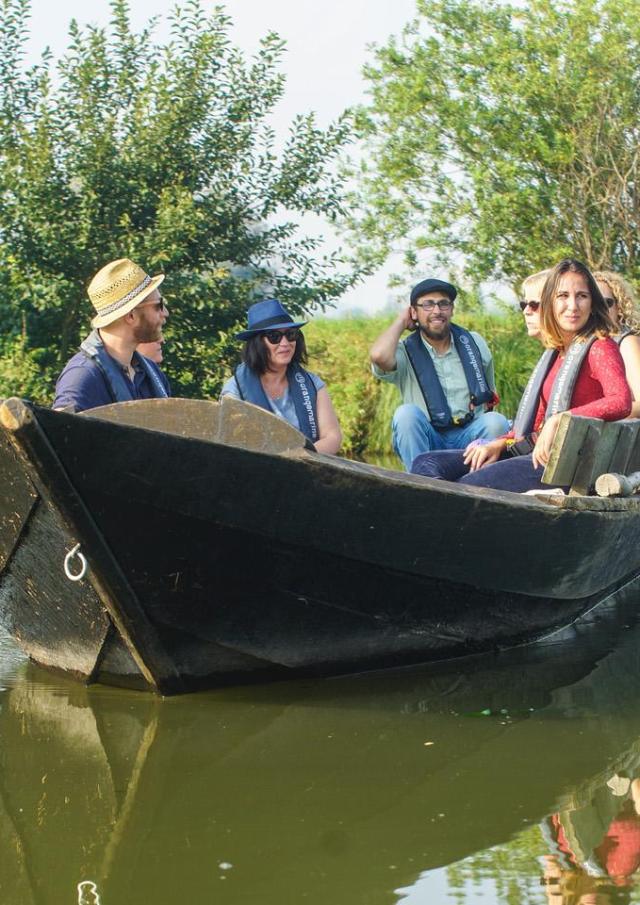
(267,315)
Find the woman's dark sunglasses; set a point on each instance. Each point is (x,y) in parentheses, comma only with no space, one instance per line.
(275,336)
(525,303)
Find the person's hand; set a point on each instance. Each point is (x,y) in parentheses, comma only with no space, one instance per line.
(542,449)
(407,318)
(478,454)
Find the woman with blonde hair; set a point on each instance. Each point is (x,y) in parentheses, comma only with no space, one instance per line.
(532,287)
(624,311)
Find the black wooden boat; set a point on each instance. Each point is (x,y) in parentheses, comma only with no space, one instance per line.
(219,549)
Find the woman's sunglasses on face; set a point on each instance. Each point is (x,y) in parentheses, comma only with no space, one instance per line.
(275,336)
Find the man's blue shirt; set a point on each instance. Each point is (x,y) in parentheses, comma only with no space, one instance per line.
(83,385)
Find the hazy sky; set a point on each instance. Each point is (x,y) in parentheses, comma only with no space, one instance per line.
(326,49)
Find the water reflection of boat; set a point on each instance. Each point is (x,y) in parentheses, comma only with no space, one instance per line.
(219,549)
(339,790)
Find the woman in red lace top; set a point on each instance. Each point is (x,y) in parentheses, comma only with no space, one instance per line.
(575,323)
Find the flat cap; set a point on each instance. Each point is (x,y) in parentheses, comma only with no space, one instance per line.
(432,285)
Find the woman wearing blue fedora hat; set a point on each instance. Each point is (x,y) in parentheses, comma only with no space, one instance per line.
(271,376)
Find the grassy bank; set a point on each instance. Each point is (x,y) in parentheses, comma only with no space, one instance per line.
(339,352)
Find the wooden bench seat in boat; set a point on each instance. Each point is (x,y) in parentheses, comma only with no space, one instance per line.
(586,449)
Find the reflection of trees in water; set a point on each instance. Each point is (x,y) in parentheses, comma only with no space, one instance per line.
(586,854)
(521,872)
(513,869)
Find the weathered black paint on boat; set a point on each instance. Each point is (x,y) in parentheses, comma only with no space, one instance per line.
(211,562)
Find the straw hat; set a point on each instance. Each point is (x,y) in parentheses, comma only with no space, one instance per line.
(117,288)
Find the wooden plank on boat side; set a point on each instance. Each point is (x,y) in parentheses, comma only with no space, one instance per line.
(18,502)
(587,455)
(568,442)
(231,421)
(633,462)
(53,484)
(627,435)
(609,439)
(251,427)
(596,503)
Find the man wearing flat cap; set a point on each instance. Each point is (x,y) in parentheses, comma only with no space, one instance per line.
(444,374)
(129,310)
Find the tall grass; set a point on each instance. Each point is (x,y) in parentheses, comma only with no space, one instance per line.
(339,353)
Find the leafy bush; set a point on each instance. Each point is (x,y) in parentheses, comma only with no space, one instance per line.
(161,153)
(21,372)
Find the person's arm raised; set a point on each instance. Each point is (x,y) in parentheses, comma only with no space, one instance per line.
(383,351)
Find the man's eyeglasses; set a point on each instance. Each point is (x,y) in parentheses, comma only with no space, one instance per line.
(430,304)
(526,303)
(275,336)
(609,302)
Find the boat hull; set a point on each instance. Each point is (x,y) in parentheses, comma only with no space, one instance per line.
(238,564)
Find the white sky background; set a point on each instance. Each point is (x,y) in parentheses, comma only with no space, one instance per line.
(326,50)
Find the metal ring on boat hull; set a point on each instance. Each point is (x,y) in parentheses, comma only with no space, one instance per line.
(75,576)
(87,890)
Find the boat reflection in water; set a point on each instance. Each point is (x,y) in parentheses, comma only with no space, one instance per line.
(342,791)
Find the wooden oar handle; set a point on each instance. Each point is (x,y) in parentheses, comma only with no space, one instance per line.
(618,484)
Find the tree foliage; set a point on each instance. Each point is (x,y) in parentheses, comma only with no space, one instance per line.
(506,136)
(161,153)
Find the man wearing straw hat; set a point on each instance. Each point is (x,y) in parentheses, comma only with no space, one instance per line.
(129,310)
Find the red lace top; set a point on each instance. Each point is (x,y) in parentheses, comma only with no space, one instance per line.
(601,390)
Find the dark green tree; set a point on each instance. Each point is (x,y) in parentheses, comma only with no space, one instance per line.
(163,154)
(505,136)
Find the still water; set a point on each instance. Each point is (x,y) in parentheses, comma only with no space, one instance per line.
(503,779)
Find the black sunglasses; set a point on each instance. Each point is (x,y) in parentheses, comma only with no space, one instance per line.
(159,305)
(275,336)
(525,303)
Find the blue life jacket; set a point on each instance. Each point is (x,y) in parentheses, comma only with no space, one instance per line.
(434,397)
(301,388)
(561,392)
(118,385)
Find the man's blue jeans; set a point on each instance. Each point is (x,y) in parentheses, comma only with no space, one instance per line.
(413,433)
